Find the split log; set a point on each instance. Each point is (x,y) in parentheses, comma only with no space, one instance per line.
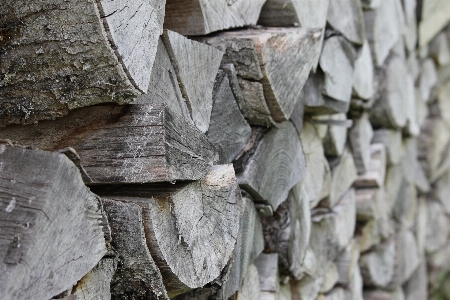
(392,141)
(307,288)
(249,245)
(410,34)
(421,108)
(276,166)
(343,176)
(439,260)
(79,54)
(163,86)
(412,126)
(140,280)
(417,286)
(438,227)
(330,278)
(373,233)
(267,265)
(196,66)
(388,17)
(124,144)
(303,13)
(389,109)
(95,285)
(428,79)
(440,50)
(190,228)
(375,175)
(421,225)
(443,101)
(434,16)
(363,74)
(352,25)
(315,102)
(337,62)
(200,17)
(250,288)
(287,233)
(250,98)
(442,191)
(360,137)
(271,57)
(412,63)
(371,204)
(393,183)
(49,221)
(349,272)
(405,206)
(317,179)
(336,132)
(228,130)
(408,259)
(377,266)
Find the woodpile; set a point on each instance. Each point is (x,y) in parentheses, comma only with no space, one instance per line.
(238,149)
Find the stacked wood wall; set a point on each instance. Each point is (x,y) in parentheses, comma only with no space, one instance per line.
(238,149)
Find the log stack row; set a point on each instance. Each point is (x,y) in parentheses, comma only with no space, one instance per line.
(238,149)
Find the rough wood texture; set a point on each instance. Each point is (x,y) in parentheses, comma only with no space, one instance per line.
(50,223)
(250,288)
(276,166)
(360,137)
(377,266)
(269,281)
(349,271)
(376,172)
(337,62)
(435,15)
(363,74)
(228,130)
(408,259)
(124,144)
(80,53)
(271,56)
(335,137)
(384,27)
(191,228)
(200,17)
(389,109)
(140,280)
(196,66)
(347,17)
(392,141)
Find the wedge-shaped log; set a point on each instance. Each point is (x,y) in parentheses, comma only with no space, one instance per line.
(276,166)
(334,128)
(388,17)
(435,15)
(124,144)
(363,74)
(49,222)
(74,54)
(196,66)
(378,265)
(405,207)
(303,13)
(428,78)
(279,58)
(190,228)
(349,271)
(376,172)
(132,279)
(228,130)
(360,137)
(389,109)
(347,17)
(392,141)
(200,17)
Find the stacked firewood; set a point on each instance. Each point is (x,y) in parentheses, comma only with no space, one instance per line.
(238,149)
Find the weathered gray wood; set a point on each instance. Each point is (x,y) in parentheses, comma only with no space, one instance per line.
(196,66)
(405,206)
(410,34)
(407,258)
(343,176)
(317,179)
(303,13)
(389,109)
(337,62)
(441,191)
(250,98)
(435,15)
(190,228)
(392,141)
(271,56)
(228,130)
(137,280)
(50,224)
(267,266)
(347,17)
(417,286)
(337,293)
(124,144)
(74,54)
(163,86)
(335,128)
(428,78)
(393,182)
(384,27)
(376,172)
(377,266)
(443,102)
(371,4)
(276,166)
(363,73)
(360,137)
(95,285)
(397,294)
(349,271)
(421,225)
(250,288)
(330,278)
(200,17)
(371,204)
(438,227)
(440,50)
(307,288)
